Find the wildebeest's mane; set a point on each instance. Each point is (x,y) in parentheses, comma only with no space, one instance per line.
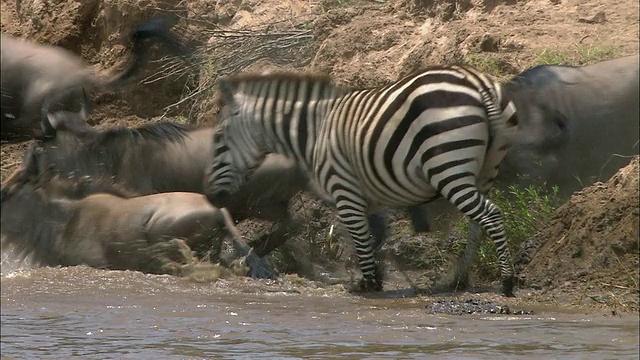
(161,132)
(80,187)
(539,75)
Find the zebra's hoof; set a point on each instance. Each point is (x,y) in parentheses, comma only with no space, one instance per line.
(365,286)
(507,287)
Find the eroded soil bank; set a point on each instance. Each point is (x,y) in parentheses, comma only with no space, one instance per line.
(586,256)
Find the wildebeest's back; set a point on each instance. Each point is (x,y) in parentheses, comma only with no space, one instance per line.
(179,166)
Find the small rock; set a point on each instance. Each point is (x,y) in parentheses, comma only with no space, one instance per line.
(596,19)
(489,44)
(523,312)
(536,286)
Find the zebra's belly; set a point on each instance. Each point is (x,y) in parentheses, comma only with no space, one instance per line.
(398,196)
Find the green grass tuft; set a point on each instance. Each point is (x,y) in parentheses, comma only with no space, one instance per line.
(490,63)
(524,211)
(579,56)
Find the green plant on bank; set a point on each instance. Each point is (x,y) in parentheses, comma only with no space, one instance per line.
(182,119)
(524,211)
(331,247)
(496,65)
(327,5)
(580,55)
(491,64)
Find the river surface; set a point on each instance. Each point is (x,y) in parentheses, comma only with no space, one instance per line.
(83,313)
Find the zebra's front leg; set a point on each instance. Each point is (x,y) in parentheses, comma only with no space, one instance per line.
(353,216)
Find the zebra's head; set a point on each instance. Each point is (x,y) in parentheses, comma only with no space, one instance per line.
(237,149)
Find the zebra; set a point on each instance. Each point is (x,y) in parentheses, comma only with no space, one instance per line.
(441,132)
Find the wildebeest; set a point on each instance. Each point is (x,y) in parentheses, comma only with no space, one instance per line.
(576,118)
(93,221)
(170,157)
(598,104)
(44,87)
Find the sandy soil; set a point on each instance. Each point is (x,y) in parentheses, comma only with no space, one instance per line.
(588,252)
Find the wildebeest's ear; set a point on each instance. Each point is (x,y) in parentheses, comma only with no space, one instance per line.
(30,162)
(227,93)
(27,168)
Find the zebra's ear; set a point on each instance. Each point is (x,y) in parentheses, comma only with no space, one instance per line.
(227,92)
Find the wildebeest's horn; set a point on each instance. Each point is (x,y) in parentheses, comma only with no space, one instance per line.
(159,27)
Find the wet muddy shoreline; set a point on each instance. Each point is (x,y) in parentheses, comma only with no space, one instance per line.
(86,313)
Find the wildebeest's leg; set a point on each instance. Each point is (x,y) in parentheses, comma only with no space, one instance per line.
(419,216)
(378,226)
(259,268)
(459,279)
(156,28)
(16,176)
(168,257)
(286,227)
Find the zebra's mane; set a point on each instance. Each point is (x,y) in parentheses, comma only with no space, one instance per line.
(257,80)
(280,76)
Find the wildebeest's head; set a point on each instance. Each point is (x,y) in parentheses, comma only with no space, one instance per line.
(34,174)
(27,174)
(543,125)
(36,78)
(69,112)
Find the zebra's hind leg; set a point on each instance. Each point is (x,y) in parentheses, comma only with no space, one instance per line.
(477,206)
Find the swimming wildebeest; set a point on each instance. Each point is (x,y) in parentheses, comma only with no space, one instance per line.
(94,222)
(598,104)
(169,157)
(43,85)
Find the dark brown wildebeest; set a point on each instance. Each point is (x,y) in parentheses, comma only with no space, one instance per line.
(94,222)
(599,106)
(170,157)
(44,87)
(597,109)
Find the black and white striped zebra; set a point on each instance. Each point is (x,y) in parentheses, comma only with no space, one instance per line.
(440,132)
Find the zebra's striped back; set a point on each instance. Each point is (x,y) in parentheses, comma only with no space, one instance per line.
(424,126)
(440,132)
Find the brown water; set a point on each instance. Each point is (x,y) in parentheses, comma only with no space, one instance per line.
(68,313)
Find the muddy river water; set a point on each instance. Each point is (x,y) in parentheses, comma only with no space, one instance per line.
(83,313)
